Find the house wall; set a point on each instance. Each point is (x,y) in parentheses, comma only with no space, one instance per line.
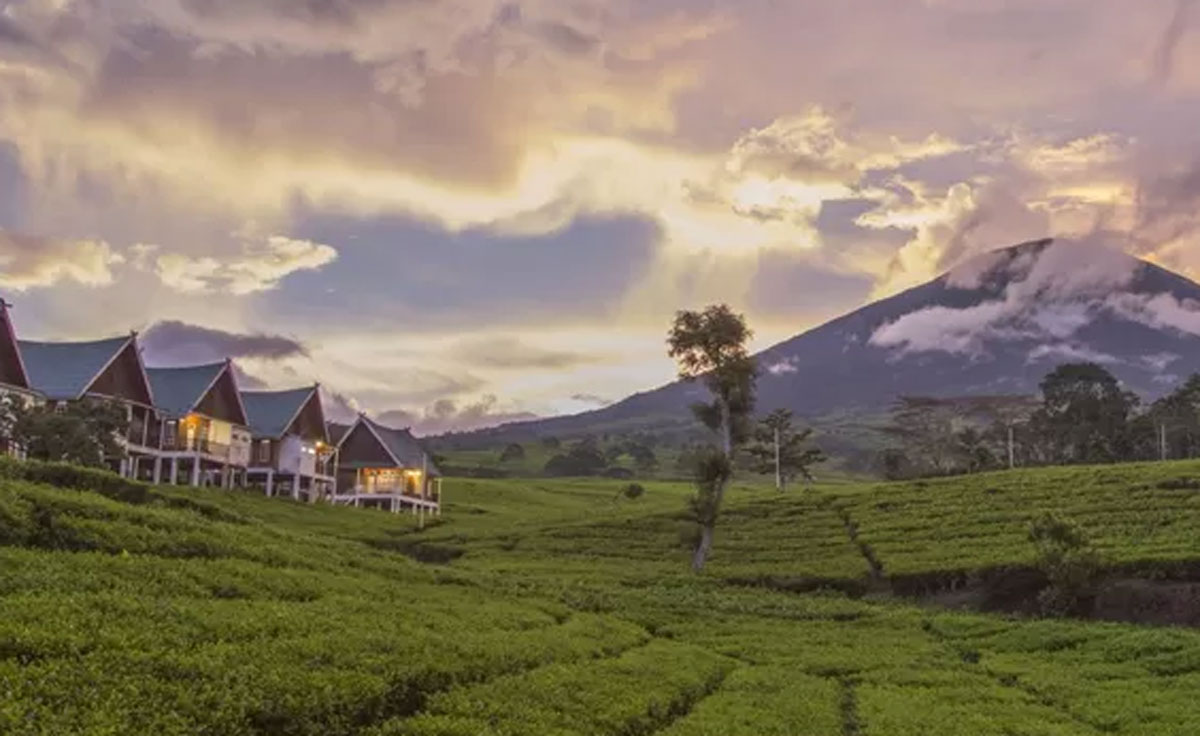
(362,448)
(297,455)
(264,453)
(239,448)
(222,402)
(123,379)
(211,436)
(346,479)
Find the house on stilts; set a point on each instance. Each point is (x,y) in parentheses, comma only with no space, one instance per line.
(103,370)
(290,453)
(383,467)
(14,380)
(205,431)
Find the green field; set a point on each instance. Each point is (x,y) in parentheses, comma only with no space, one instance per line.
(561,607)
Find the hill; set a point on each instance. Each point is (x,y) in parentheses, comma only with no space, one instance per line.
(559,608)
(994,325)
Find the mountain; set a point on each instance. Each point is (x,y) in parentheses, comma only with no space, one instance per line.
(994,325)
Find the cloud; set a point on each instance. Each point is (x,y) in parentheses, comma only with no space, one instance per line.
(339,407)
(531,166)
(260,266)
(28,261)
(1166,226)
(173,341)
(593,399)
(803,284)
(1159,362)
(409,384)
(1164,55)
(510,353)
(1072,156)
(1161,311)
(448,415)
(782,367)
(1051,291)
(401,271)
(1065,352)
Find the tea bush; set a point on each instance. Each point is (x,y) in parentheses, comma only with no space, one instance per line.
(130,609)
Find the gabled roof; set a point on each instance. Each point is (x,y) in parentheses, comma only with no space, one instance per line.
(337,431)
(13,368)
(179,391)
(272,413)
(400,444)
(64,371)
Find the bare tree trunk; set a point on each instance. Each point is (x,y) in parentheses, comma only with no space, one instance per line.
(704,546)
(1012,447)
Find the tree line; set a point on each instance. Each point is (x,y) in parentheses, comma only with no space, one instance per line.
(1082,416)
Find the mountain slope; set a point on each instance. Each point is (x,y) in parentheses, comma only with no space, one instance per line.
(995,325)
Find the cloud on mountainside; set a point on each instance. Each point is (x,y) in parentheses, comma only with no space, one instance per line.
(1050,295)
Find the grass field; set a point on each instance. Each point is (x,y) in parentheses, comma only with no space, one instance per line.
(561,607)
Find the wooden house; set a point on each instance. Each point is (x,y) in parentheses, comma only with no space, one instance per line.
(290,453)
(205,437)
(387,468)
(106,370)
(13,376)
(14,380)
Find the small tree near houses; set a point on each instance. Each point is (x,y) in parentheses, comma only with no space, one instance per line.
(710,346)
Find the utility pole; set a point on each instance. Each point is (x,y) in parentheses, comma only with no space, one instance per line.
(1012,447)
(1162,441)
(778,470)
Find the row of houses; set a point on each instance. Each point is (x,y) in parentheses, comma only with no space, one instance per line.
(193,425)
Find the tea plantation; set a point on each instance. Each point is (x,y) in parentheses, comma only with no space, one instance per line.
(563,607)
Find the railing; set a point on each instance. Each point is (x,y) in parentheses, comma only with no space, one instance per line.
(395,488)
(196,444)
(137,436)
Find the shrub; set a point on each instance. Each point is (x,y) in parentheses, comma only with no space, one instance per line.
(1069,563)
(514,451)
(582,459)
(634,491)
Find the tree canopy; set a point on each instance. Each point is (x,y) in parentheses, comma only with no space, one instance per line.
(782,449)
(80,432)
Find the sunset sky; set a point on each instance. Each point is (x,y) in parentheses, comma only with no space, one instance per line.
(452,212)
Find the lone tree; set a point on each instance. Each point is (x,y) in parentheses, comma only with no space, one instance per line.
(711,346)
(1085,415)
(784,450)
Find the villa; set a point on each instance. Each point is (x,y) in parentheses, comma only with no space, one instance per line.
(205,432)
(107,370)
(291,454)
(382,467)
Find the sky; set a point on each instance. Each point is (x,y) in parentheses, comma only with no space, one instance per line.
(453,213)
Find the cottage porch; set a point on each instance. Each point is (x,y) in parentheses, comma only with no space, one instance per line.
(395,489)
